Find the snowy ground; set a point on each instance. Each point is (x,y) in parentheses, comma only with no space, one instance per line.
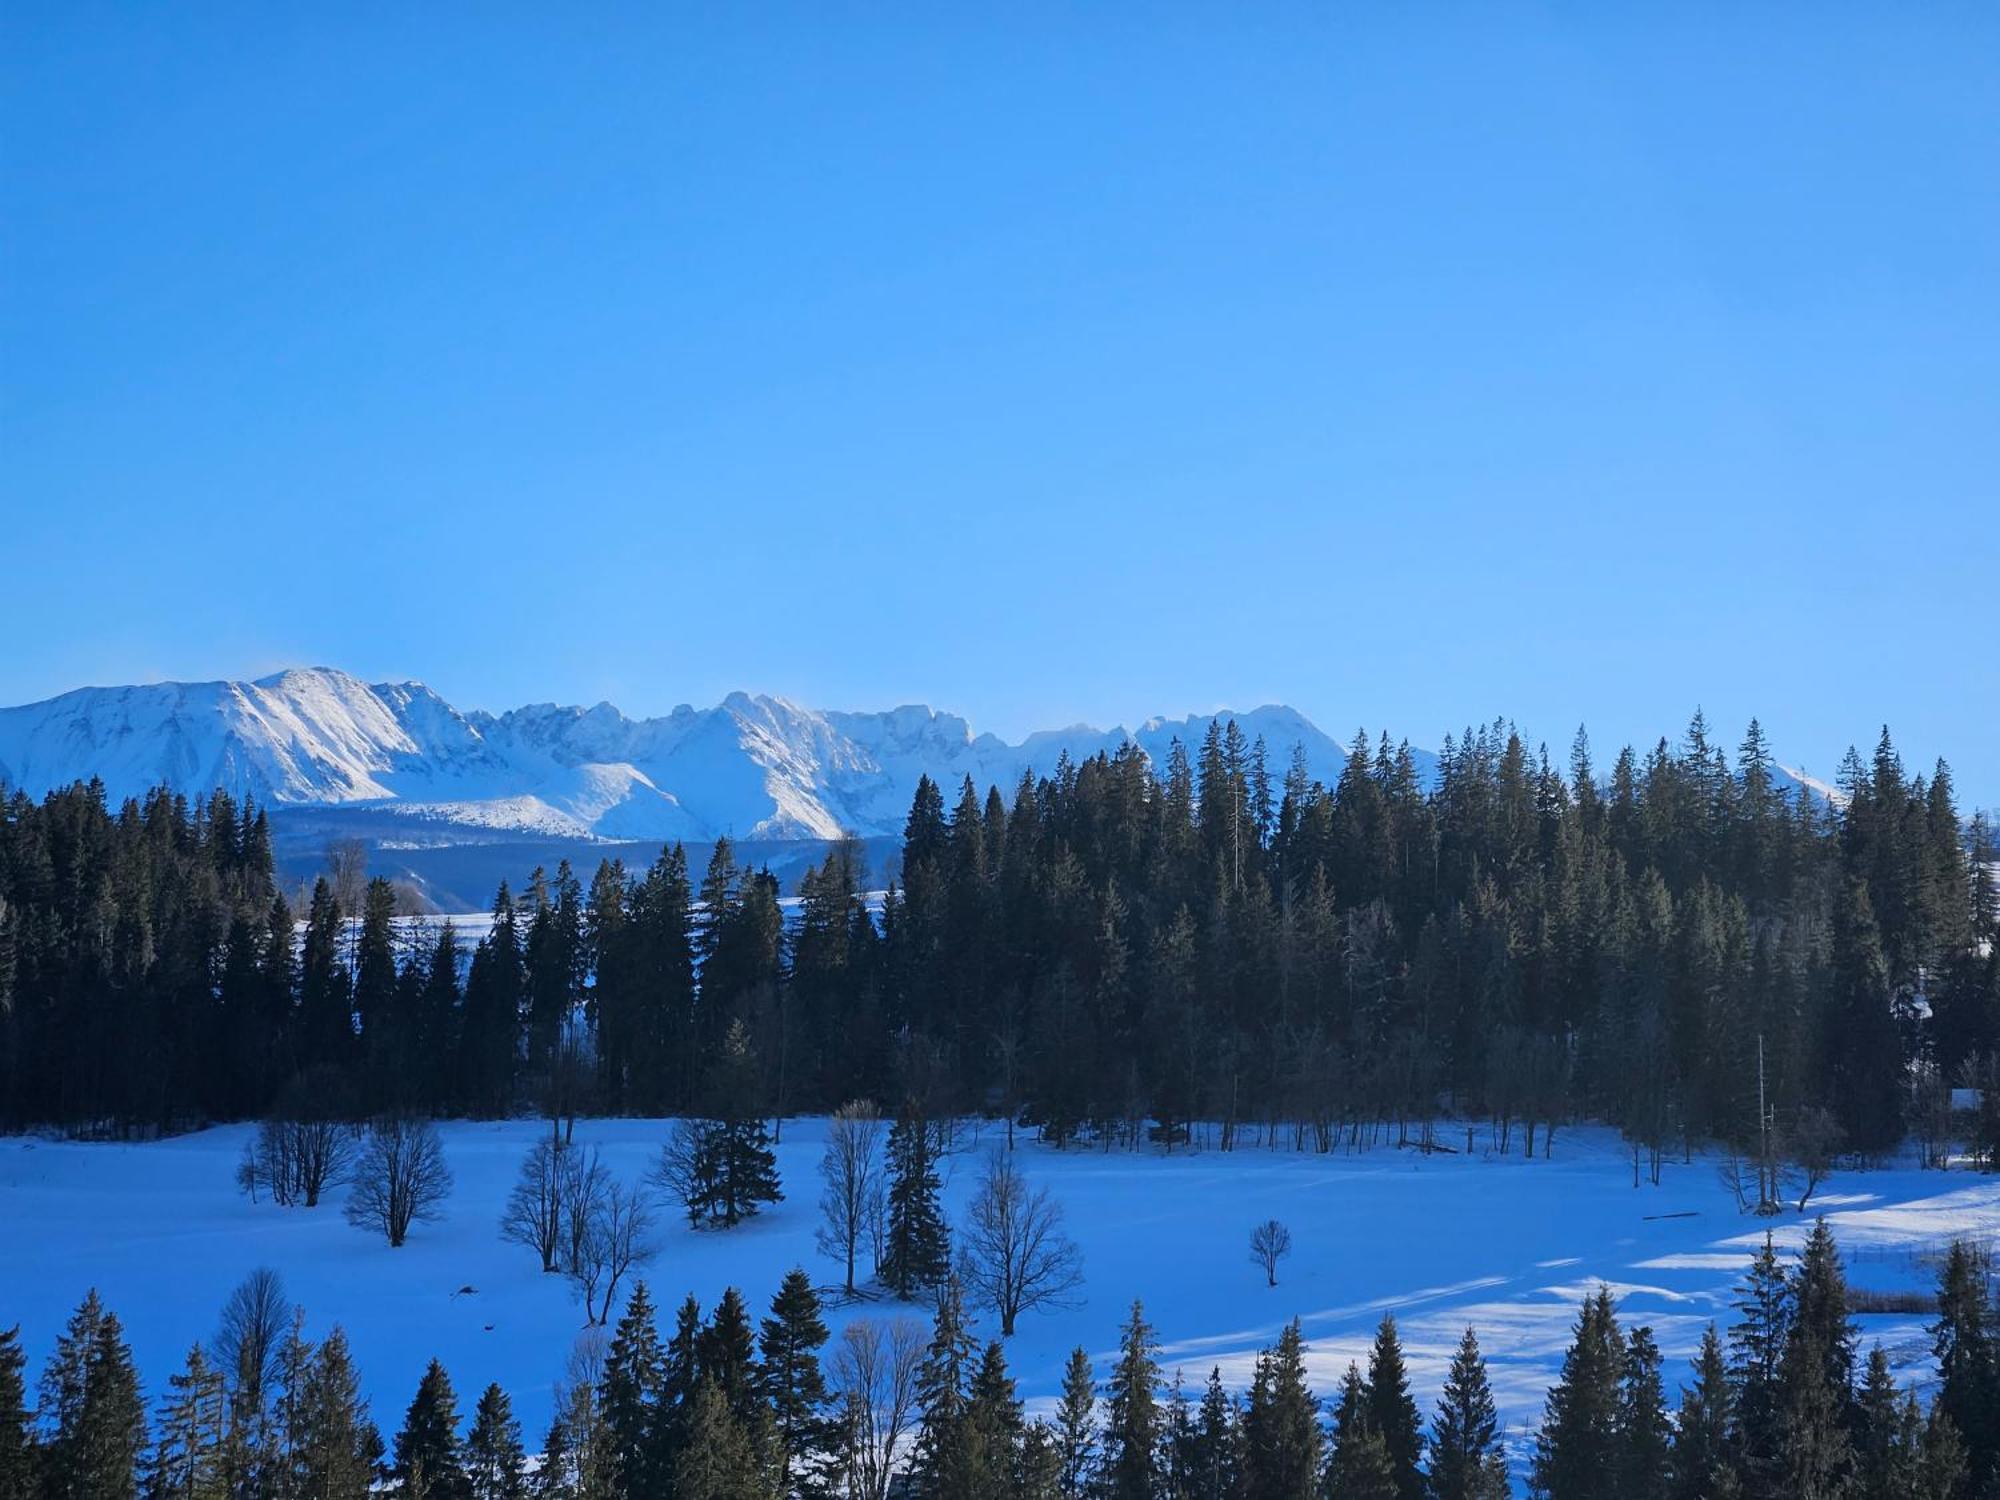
(1505,1245)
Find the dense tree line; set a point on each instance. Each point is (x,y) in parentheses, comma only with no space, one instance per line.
(718,1406)
(1114,952)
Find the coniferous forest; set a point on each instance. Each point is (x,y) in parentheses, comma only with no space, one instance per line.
(710,1406)
(1120,953)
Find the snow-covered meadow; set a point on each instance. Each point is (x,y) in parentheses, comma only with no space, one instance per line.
(1506,1245)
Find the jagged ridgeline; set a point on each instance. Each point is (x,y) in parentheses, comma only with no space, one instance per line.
(1117,951)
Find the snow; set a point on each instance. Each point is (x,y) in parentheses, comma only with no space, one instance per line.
(1442,1241)
(753,767)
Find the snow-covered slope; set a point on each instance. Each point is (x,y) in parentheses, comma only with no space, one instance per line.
(751,767)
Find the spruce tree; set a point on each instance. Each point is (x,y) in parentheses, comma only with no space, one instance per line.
(1281,1433)
(1039,1475)
(1076,1427)
(90,1402)
(942,1463)
(995,1433)
(1132,1414)
(1213,1465)
(631,1402)
(189,1459)
(1644,1433)
(1360,1467)
(385,1037)
(1704,1445)
(1394,1411)
(1968,1355)
(917,1248)
(742,1168)
(1945,1472)
(1815,1392)
(495,1464)
(1577,1451)
(1887,1433)
(1757,1348)
(430,1462)
(726,1356)
(111,1428)
(334,1447)
(717,1461)
(1466,1459)
(789,1343)
(17,1437)
(1864,1083)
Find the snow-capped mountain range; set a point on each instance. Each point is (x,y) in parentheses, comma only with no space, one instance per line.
(752,767)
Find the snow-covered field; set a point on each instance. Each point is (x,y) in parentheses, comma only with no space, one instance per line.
(1506,1245)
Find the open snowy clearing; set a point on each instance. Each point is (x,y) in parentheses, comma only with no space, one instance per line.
(1442,1241)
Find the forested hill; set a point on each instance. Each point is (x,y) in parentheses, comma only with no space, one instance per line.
(1105,952)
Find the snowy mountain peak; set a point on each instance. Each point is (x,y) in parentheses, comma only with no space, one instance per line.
(754,766)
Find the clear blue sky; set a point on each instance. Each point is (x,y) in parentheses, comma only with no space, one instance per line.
(1410,364)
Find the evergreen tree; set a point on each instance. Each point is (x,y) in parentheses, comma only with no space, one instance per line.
(1757,1347)
(375,986)
(631,1400)
(1704,1445)
(717,1461)
(495,1464)
(1944,1471)
(1212,1466)
(332,1444)
(1076,1427)
(1886,1450)
(726,1357)
(1281,1433)
(995,1434)
(489,1035)
(430,1462)
(17,1437)
(1466,1459)
(789,1344)
(943,1464)
(1644,1433)
(188,1460)
(1577,1452)
(1964,1343)
(1393,1411)
(326,998)
(90,1402)
(1360,1467)
(1132,1431)
(1815,1375)
(740,1166)
(1865,1061)
(917,1247)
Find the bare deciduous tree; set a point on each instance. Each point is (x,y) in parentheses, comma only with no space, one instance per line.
(347,872)
(874,1376)
(1810,1145)
(582,1457)
(296,1161)
(851,1203)
(1270,1242)
(682,1171)
(617,1237)
(582,1183)
(251,1335)
(1015,1256)
(534,1217)
(572,1069)
(400,1178)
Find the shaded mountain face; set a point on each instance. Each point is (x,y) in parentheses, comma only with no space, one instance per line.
(752,767)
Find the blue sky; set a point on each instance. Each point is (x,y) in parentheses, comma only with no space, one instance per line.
(1410,364)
